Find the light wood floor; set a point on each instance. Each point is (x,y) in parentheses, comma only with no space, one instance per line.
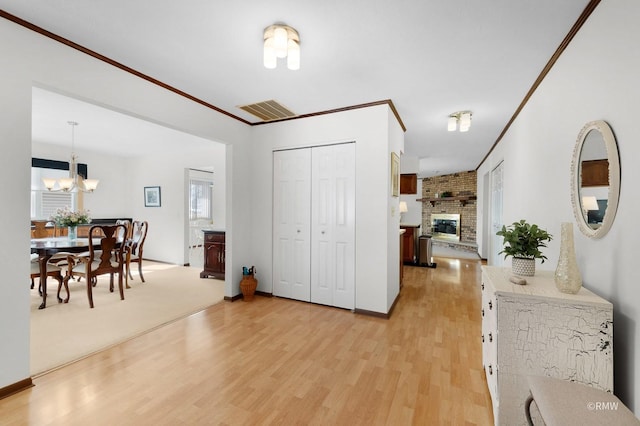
(277,361)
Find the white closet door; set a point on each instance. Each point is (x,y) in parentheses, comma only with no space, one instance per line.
(333,225)
(291,224)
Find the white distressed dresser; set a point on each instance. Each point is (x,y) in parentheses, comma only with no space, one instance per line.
(534,329)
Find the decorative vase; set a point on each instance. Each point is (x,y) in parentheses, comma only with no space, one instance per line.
(567,276)
(523,266)
(248,286)
(72,232)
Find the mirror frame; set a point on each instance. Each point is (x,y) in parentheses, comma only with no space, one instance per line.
(614,179)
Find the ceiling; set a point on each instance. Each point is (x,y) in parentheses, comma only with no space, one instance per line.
(429,57)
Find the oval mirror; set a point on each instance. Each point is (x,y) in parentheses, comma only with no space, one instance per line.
(595,179)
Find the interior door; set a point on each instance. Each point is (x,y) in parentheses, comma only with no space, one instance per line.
(496,215)
(333,225)
(291,224)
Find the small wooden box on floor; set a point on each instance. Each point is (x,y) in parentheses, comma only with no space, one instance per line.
(534,329)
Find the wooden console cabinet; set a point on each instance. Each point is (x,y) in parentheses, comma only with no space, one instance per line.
(534,329)
(214,255)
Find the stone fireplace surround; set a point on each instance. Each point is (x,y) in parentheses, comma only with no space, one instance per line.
(462,184)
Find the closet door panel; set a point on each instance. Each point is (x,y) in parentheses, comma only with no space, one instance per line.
(333,225)
(291,224)
(344,226)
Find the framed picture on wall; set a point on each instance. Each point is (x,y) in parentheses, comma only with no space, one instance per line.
(395,175)
(152,196)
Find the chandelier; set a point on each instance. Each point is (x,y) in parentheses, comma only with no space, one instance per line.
(281,41)
(461,120)
(74,182)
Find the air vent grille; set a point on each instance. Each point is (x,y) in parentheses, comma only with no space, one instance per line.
(268,110)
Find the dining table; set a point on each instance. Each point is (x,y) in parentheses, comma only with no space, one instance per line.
(47,247)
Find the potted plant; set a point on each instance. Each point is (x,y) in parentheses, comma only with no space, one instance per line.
(523,241)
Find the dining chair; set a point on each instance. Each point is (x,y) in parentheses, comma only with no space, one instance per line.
(127,234)
(53,270)
(123,238)
(108,259)
(135,244)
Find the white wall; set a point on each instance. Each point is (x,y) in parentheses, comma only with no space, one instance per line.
(595,78)
(411,164)
(395,145)
(168,234)
(30,59)
(375,254)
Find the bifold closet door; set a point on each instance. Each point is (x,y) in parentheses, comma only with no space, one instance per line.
(291,224)
(333,225)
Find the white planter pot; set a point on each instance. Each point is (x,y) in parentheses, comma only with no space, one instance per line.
(523,266)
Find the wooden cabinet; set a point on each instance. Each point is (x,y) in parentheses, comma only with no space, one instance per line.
(214,255)
(595,173)
(534,329)
(409,241)
(409,183)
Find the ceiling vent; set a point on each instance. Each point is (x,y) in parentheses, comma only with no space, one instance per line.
(268,110)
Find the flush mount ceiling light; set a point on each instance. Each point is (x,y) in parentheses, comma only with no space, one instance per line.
(281,41)
(460,120)
(74,182)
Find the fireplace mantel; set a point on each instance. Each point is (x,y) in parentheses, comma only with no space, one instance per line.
(463,200)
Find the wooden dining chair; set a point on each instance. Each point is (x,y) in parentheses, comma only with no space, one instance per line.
(53,270)
(126,235)
(109,258)
(135,245)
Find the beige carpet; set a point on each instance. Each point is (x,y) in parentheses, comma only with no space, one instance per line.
(63,333)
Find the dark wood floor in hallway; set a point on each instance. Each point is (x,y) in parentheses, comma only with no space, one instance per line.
(277,361)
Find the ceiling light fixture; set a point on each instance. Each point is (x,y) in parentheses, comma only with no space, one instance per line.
(74,182)
(460,120)
(281,41)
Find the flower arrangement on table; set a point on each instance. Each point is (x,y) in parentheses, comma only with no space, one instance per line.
(67,217)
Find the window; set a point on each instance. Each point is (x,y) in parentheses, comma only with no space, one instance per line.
(200,199)
(43,202)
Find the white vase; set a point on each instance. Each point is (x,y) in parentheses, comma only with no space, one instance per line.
(72,232)
(523,266)
(567,276)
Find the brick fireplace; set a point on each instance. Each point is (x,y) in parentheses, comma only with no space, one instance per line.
(460,199)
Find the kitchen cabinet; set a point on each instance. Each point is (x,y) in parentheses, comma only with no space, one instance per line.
(409,183)
(409,244)
(595,173)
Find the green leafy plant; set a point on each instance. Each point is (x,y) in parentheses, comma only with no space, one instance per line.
(522,239)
